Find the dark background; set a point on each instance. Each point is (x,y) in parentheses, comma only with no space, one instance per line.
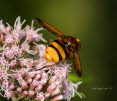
(93,21)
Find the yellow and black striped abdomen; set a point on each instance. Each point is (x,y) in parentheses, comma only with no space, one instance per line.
(56,52)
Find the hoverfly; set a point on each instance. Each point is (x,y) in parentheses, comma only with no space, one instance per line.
(62,48)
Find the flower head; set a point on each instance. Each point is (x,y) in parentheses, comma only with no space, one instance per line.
(24,72)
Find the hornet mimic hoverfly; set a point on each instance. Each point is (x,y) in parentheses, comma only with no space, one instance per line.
(62,48)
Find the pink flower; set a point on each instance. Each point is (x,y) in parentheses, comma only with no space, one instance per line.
(25,73)
(13,63)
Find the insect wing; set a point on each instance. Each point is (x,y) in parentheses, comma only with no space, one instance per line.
(76,62)
(48,27)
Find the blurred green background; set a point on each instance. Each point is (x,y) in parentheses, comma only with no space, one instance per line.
(89,20)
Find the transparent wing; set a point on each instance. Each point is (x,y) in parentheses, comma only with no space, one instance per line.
(48,27)
(76,62)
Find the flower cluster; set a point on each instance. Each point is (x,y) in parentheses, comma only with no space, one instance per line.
(25,73)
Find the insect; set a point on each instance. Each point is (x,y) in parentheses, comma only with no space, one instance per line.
(62,48)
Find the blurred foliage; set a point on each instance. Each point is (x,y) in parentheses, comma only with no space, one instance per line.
(89,20)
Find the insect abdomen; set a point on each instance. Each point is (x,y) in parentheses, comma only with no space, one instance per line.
(56,51)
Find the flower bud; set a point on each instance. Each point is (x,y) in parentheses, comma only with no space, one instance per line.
(57,98)
(13,63)
(25,93)
(19,89)
(23,85)
(10,94)
(51,88)
(38,76)
(29,80)
(31,75)
(43,81)
(39,88)
(31,93)
(11,87)
(34,84)
(55,92)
